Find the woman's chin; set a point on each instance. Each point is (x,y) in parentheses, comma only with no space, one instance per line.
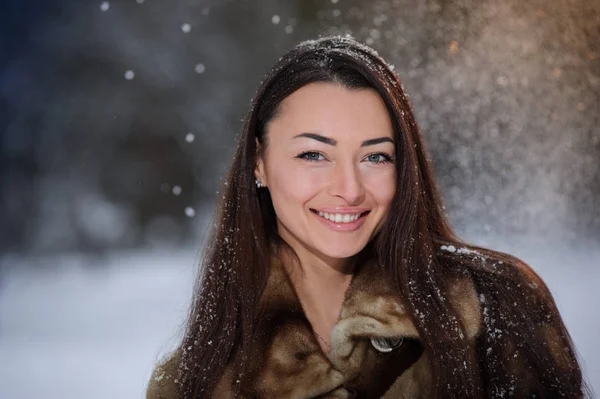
(344,252)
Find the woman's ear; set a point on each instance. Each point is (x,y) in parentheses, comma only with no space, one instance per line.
(259,169)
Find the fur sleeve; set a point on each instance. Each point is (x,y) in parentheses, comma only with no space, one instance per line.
(525,349)
(163,382)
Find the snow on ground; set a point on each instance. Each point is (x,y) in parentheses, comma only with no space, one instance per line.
(79,327)
(89,328)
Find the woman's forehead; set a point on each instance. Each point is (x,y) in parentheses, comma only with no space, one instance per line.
(332,109)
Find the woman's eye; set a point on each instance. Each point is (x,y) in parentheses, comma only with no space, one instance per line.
(379,158)
(311,156)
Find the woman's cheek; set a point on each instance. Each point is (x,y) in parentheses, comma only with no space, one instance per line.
(307,183)
(382,185)
(299,182)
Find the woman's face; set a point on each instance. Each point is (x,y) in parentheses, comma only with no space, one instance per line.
(329,167)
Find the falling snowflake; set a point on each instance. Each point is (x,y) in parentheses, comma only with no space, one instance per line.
(190,137)
(190,212)
(199,68)
(105,6)
(186,28)
(275,19)
(177,190)
(205,11)
(502,80)
(129,74)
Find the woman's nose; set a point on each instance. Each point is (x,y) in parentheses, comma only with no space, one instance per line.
(347,184)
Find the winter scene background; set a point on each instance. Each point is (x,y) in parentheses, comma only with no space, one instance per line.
(118,120)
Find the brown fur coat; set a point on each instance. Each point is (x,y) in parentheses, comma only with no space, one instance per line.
(289,362)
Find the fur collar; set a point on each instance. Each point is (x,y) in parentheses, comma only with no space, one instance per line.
(375,347)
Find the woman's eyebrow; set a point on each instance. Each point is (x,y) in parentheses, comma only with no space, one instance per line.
(317,137)
(377,141)
(330,141)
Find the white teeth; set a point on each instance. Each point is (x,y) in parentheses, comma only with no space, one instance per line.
(339,217)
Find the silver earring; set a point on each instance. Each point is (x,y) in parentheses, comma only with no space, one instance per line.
(258,183)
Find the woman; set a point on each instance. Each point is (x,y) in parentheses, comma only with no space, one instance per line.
(332,271)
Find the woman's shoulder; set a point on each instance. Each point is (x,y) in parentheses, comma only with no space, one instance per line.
(503,283)
(522,328)
(485,265)
(163,381)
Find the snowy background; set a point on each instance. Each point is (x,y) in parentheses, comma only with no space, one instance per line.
(118,119)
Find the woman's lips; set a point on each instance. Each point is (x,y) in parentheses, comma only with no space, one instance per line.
(340,225)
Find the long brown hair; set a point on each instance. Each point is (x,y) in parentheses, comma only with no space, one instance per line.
(415,246)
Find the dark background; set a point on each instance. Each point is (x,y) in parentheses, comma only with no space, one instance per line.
(118,121)
(506,93)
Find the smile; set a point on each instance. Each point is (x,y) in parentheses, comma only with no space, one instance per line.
(340,217)
(348,221)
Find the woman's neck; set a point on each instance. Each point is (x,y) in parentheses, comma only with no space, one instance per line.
(321,287)
(306,268)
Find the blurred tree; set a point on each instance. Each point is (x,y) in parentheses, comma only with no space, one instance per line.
(96,102)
